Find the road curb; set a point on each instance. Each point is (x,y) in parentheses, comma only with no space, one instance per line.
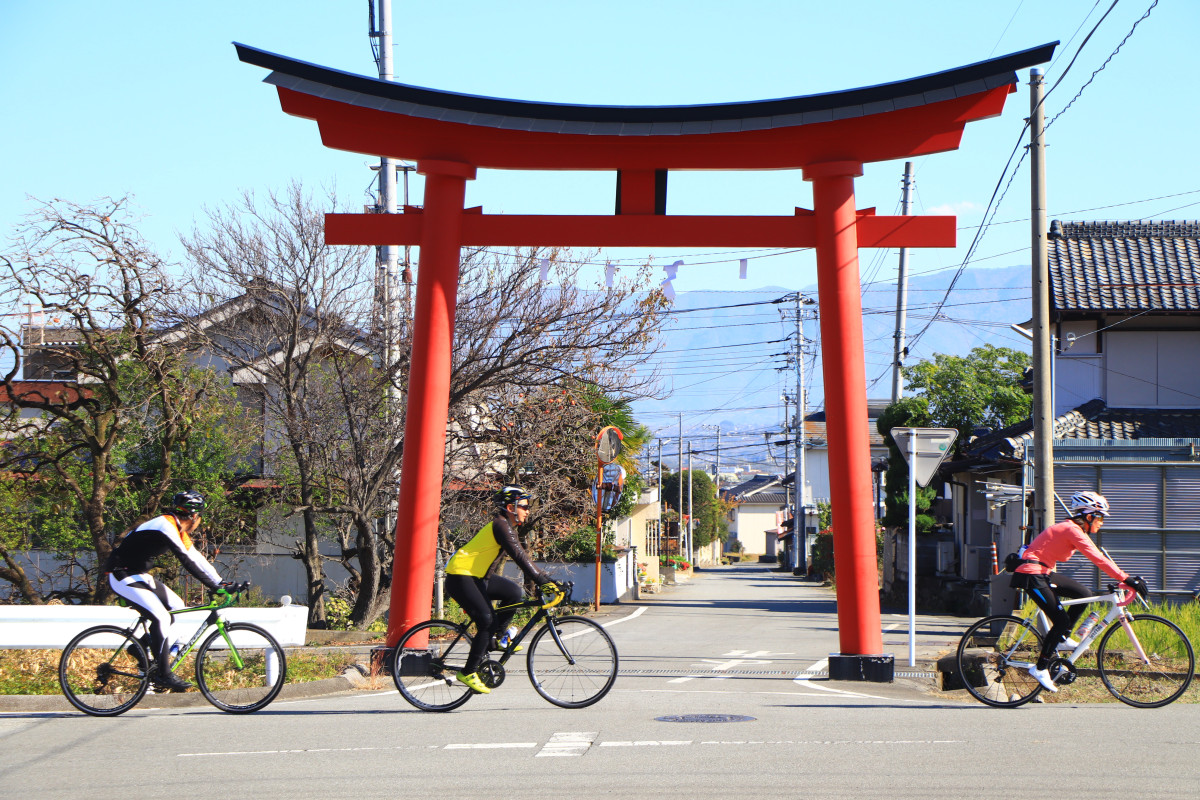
(35,703)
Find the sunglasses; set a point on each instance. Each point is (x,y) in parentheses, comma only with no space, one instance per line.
(523,505)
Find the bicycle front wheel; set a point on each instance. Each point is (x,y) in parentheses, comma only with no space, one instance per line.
(576,669)
(1151,668)
(425,662)
(241,671)
(104,671)
(994,657)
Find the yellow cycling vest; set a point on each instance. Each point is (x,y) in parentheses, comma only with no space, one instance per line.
(476,556)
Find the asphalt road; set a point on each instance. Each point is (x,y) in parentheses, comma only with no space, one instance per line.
(741,647)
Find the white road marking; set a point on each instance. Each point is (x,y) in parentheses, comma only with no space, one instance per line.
(576,744)
(567,743)
(492,746)
(641,610)
(310,750)
(805,679)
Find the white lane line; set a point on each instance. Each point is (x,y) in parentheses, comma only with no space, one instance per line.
(311,750)
(641,610)
(567,743)
(805,679)
(492,746)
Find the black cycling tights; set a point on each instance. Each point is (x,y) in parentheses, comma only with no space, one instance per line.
(1045,591)
(475,596)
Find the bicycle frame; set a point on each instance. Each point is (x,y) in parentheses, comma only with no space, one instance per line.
(1116,610)
(542,614)
(214,619)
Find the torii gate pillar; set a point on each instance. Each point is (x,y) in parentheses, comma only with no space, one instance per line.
(846,414)
(420,498)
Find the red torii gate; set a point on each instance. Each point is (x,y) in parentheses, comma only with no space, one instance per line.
(828,136)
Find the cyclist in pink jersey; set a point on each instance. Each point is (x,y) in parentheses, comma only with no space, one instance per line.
(1037,576)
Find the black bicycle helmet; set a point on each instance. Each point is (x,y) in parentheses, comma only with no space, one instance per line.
(188,503)
(510,495)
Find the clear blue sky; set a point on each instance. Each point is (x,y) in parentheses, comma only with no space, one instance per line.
(148,98)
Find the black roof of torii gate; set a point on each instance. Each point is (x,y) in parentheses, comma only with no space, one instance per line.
(389,96)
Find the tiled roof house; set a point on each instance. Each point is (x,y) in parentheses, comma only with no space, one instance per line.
(1125,311)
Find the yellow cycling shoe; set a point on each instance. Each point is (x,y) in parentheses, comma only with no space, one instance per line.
(473,682)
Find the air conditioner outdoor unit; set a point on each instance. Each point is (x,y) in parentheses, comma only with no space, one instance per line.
(946,562)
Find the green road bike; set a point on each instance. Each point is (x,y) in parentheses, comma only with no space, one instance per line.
(572,661)
(1143,660)
(106,670)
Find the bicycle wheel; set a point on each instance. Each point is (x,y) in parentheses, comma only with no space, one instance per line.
(425,661)
(1158,679)
(994,657)
(244,677)
(104,671)
(579,672)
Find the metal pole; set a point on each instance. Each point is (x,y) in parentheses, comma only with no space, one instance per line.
(902,291)
(1043,412)
(388,257)
(912,546)
(689,525)
(680,506)
(798,476)
(658,534)
(717,466)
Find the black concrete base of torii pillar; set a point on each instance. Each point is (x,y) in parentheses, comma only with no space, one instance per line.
(875,669)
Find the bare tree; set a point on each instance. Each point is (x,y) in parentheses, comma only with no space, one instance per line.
(121,398)
(286,303)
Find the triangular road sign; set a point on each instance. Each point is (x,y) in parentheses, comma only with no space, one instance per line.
(931,445)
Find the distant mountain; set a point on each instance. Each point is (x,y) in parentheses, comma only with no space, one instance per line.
(724,357)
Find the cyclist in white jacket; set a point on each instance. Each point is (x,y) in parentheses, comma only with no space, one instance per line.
(129,575)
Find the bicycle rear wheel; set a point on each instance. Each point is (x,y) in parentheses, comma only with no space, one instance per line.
(994,657)
(581,670)
(1158,679)
(244,677)
(424,664)
(104,671)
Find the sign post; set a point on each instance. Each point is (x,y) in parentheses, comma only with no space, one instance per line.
(609,444)
(925,449)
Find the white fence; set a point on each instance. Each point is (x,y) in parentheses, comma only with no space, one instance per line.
(51,627)
(617,578)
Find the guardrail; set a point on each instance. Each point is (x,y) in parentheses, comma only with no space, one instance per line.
(51,627)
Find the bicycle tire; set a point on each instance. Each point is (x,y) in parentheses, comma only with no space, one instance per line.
(425,661)
(250,686)
(567,684)
(104,671)
(1136,683)
(990,669)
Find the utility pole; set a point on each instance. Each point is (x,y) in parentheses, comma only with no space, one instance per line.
(660,469)
(688,552)
(1043,390)
(901,350)
(680,506)
(386,255)
(798,517)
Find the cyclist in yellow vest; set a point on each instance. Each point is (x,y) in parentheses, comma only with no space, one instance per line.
(472,582)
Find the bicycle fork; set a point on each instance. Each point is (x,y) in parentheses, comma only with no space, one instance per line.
(558,641)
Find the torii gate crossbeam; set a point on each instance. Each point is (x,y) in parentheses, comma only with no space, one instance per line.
(829,137)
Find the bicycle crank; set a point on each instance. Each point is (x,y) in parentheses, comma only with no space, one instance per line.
(1063,671)
(491,673)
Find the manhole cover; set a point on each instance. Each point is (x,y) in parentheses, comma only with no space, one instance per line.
(706,718)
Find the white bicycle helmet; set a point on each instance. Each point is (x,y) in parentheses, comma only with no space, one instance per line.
(1083,503)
